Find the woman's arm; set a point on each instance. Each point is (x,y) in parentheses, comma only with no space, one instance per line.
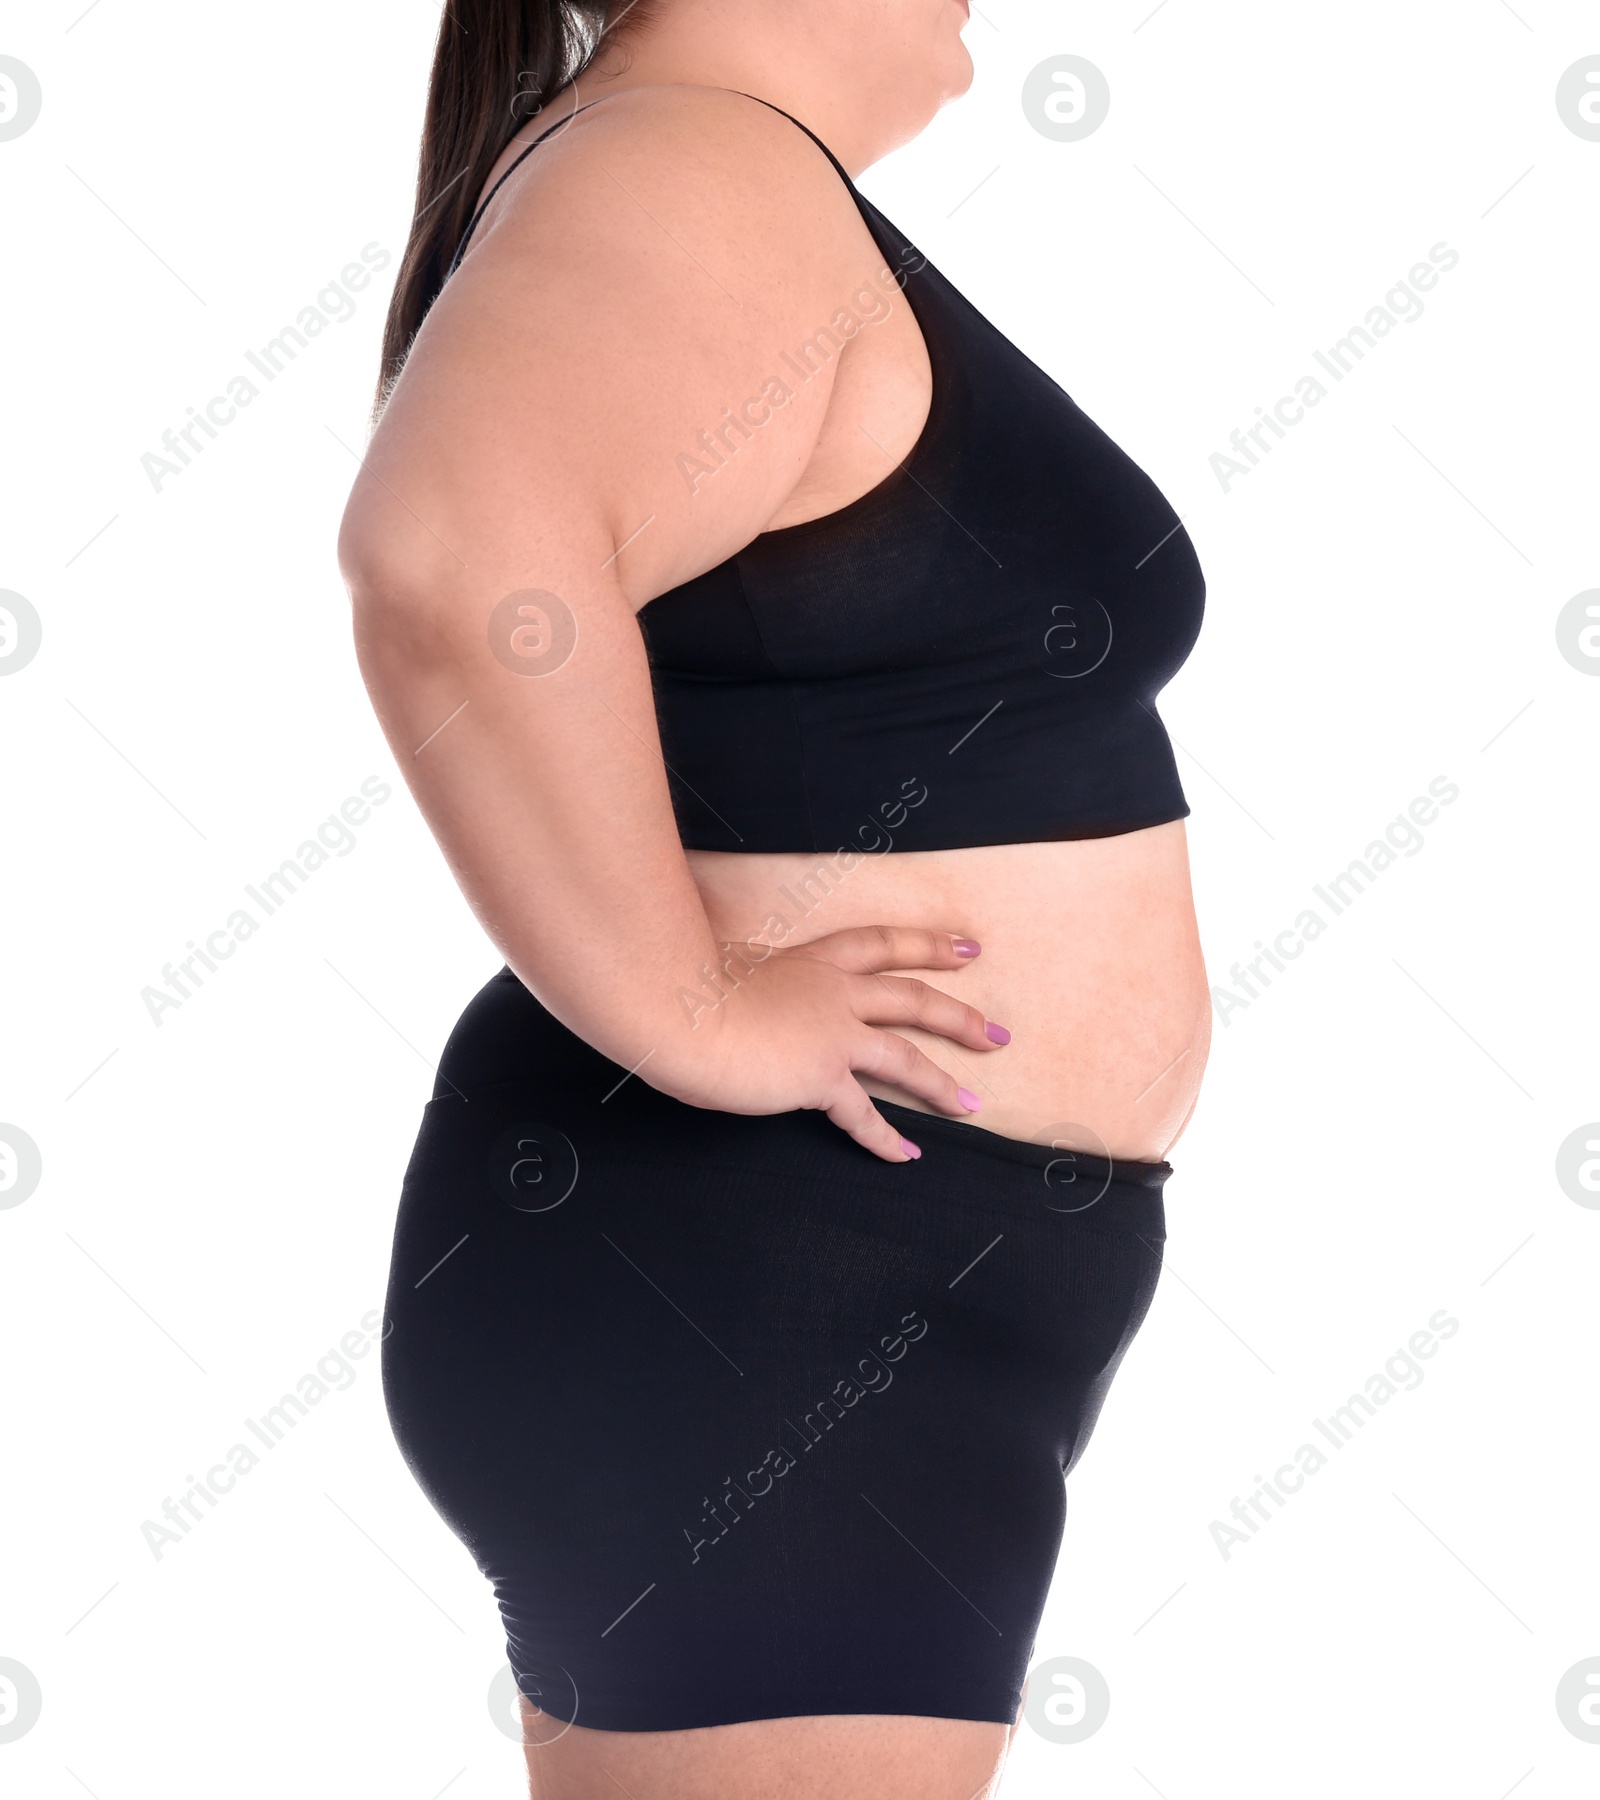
(641,273)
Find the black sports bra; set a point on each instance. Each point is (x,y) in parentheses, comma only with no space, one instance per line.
(968,654)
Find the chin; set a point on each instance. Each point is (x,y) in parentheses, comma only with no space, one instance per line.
(957,72)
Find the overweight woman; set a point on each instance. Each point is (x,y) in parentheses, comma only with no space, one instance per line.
(772,648)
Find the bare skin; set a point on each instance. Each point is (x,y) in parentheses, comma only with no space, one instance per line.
(638,275)
(851,1754)
(1091,958)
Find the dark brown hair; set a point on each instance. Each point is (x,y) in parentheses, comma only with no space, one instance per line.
(496,63)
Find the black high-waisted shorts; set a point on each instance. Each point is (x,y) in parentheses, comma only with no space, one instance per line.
(741,1421)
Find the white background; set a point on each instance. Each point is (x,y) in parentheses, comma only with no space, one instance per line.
(1378,1132)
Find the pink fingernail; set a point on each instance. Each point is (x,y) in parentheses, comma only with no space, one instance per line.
(968,1099)
(966,946)
(910,1149)
(996,1034)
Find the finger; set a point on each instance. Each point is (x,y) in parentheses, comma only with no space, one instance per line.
(854,1113)
(885,1056)
(864,949)
(901,1000)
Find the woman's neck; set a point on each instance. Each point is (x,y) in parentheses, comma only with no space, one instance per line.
(844,69)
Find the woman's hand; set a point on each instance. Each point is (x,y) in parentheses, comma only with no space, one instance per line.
(799,1025)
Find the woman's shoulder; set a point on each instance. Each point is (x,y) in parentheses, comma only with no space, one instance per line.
(640,274)
(684,119)
(731,167)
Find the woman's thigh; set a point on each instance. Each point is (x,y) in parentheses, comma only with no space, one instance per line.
(836,1756)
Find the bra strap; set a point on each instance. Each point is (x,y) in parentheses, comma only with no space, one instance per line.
(455,261)
(843,173)
(461,248)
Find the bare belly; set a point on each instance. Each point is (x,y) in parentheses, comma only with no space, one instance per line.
(1091,959)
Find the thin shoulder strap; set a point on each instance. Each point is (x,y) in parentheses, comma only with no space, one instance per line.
(517,162)
(461,250)
(905,258)
(843,173)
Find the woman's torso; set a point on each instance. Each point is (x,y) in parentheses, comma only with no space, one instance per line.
(1091,956)
(1091,959)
